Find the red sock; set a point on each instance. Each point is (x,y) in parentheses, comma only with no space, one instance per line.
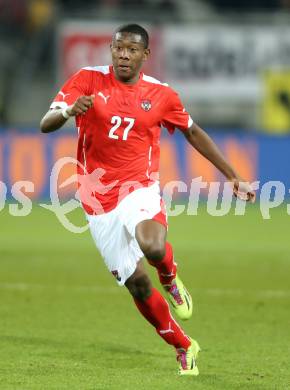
(166,267)
(156,310)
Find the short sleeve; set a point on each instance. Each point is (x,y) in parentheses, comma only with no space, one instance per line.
(77,85)
(175,115)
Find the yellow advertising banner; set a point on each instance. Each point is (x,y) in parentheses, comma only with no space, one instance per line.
(276,102)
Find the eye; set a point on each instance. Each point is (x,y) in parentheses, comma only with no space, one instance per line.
(117,47)
(133,49)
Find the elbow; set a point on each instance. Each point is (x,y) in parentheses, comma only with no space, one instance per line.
(51,122)
(44,125)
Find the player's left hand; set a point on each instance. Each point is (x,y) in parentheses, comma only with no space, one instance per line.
(243,190)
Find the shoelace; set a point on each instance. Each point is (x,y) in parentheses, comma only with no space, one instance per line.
(181,357)
(176,295)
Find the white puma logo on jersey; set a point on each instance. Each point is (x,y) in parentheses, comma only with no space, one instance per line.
(104,97)
(64,94)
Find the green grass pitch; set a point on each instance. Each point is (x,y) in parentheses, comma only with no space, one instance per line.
(65,324)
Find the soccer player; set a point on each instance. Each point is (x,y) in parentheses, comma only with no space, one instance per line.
(119,112)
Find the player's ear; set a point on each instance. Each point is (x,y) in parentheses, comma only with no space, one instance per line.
(146,54)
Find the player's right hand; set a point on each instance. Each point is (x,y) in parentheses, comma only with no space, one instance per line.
(81,105)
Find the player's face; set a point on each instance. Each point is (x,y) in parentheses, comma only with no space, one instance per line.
(128,55)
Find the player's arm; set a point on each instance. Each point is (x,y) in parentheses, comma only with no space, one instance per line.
(206,146)
(57,116)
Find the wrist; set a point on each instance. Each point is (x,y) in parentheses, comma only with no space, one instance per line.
(232,176)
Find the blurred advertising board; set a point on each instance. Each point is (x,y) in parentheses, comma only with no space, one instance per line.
(214,62)
(29,156)
(83,44)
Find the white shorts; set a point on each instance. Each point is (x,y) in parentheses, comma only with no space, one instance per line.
(114,232)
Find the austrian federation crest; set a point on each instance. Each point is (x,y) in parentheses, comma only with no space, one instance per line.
(146,105)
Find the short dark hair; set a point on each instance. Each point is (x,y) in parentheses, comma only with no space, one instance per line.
(135,29)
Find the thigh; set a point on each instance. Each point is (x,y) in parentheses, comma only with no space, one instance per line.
(151,238)
(150,232)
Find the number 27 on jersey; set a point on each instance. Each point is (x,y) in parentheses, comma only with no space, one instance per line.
(116,121)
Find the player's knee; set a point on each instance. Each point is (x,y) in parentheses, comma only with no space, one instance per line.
(140,288)
(154,251)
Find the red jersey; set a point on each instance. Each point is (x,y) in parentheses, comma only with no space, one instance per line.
(118,138)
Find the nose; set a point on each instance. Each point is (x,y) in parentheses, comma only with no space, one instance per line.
(124,53)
